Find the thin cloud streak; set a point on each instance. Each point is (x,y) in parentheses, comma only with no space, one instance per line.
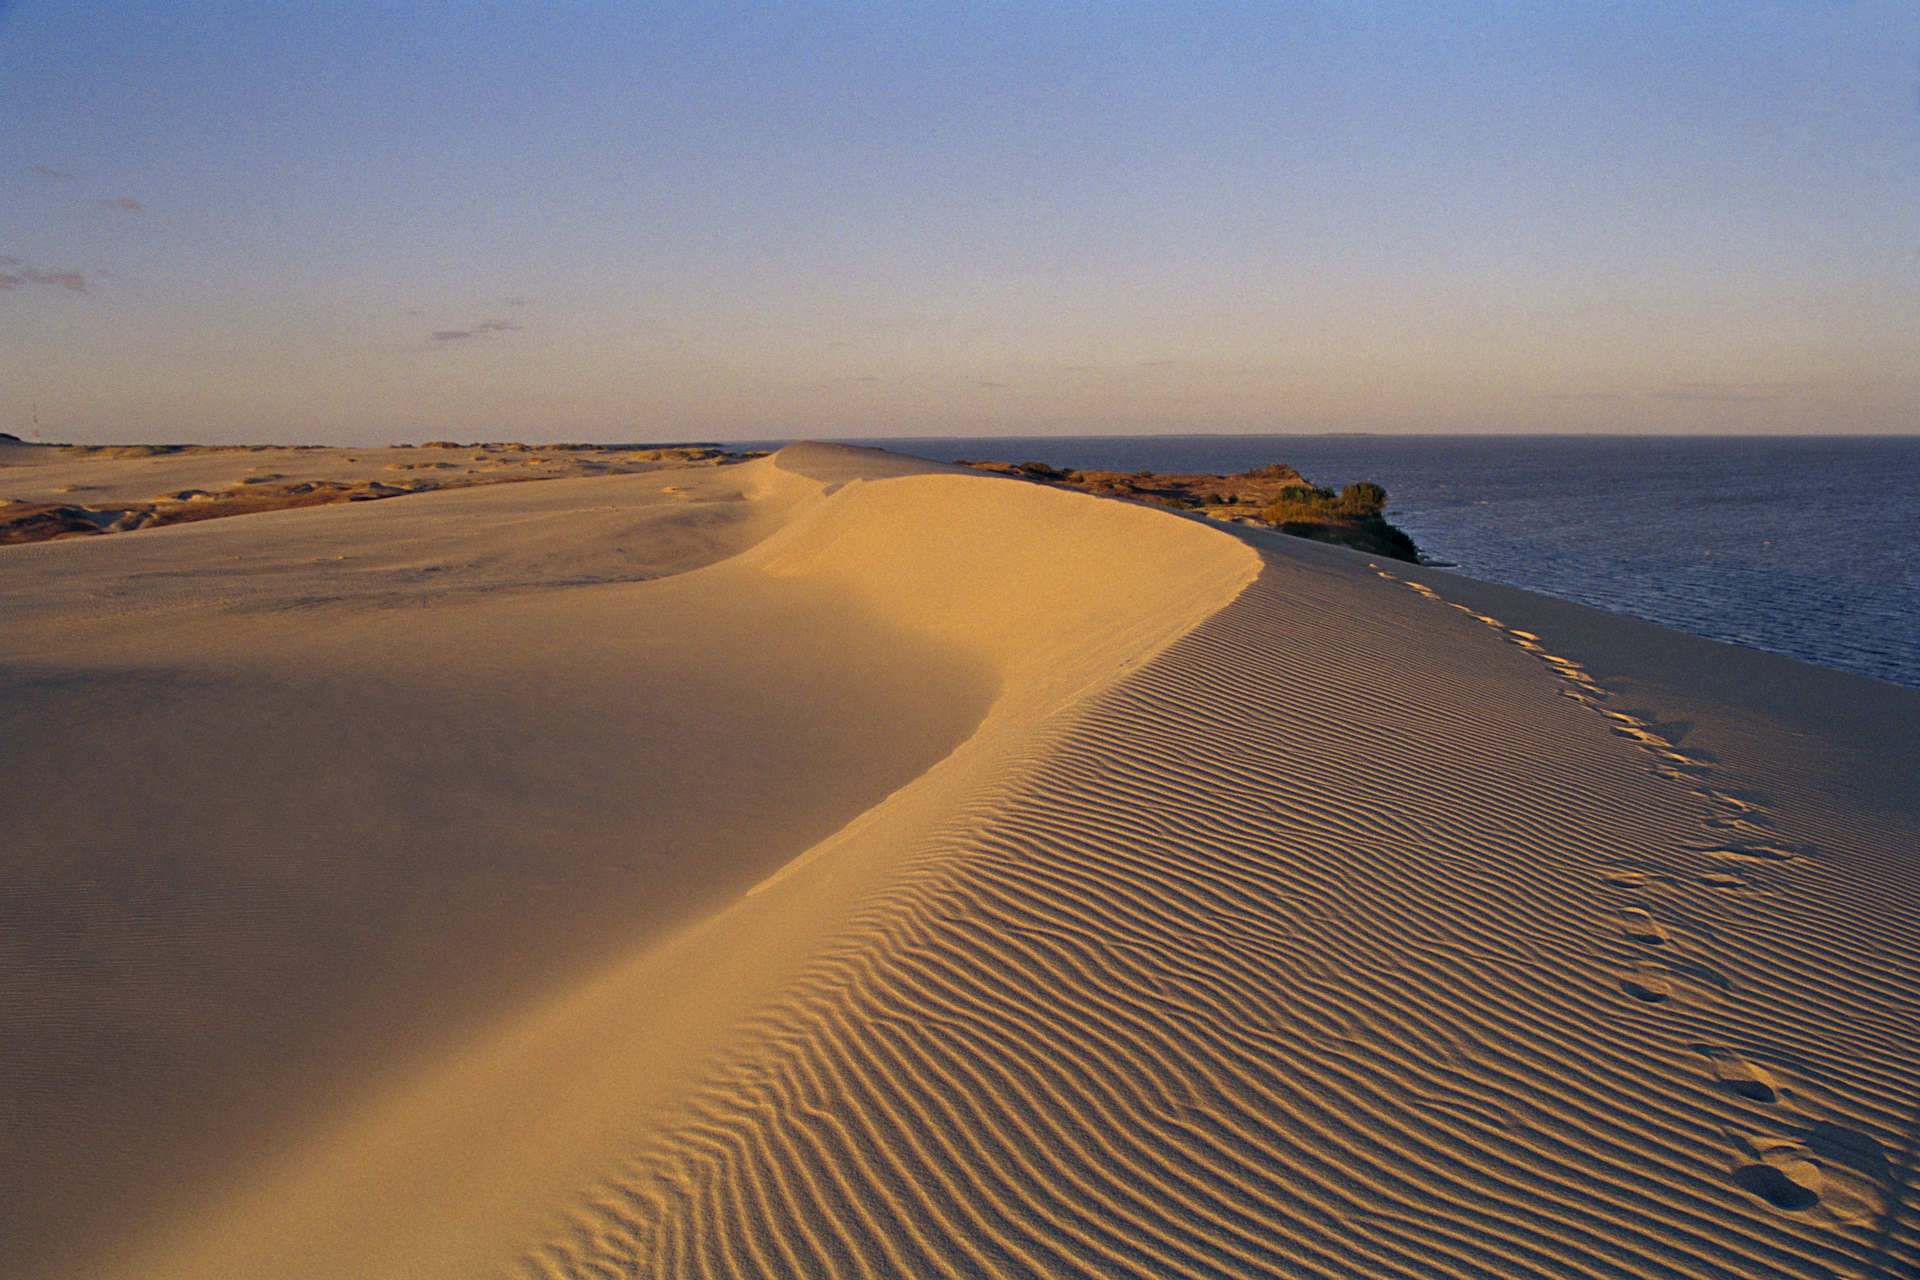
(58,175)
(478,330)
(1730,393)
(11,280)
(126,203)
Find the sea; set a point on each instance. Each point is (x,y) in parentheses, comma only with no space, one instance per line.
(1800,545)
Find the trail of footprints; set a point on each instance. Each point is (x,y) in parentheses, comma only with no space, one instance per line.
(1830,1165)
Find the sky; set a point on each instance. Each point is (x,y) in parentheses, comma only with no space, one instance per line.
(353,223)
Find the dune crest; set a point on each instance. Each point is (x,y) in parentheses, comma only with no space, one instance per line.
(452,1172)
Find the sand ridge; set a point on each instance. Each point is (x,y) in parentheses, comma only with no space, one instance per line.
(897,558)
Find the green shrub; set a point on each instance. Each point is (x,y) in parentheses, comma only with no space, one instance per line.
(1305,495)
(1363,500)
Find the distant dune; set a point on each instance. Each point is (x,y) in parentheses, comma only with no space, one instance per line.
(50,492)
(836,864)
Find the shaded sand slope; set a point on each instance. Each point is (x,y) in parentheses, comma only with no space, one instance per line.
(380,911)
(420,549)
(1347,937)
(292,800)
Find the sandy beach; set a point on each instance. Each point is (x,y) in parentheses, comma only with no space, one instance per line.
(837,864)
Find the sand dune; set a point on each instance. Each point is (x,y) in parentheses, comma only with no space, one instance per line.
(848,867)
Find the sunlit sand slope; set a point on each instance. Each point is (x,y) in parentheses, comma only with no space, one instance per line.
(1353,935)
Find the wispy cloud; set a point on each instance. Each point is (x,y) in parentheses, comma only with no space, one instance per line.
(126,203)
(990,384)
(11,280)
(478,330)
(46,171)
(516,302)
(1725,392)
(1583,395)
(1156,364)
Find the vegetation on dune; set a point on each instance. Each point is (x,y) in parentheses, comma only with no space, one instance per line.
(1354,517)
(23,521)
(1275,494)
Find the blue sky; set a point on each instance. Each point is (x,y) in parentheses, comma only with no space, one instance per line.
(358,222)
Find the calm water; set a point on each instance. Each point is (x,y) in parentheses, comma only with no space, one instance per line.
(1808,547)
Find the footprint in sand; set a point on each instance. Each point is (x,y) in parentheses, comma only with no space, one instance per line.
(1647,986)
(1642,927)
(1780,1171)
(1740,1076)
(1752,853)
(1677,979)
(1681,773)
(1841,1172)
(1732,804)
(1782,1181)
(1753,823)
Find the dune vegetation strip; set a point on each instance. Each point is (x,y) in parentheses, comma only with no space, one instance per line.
(320,476)
(1274,495)
(44,522)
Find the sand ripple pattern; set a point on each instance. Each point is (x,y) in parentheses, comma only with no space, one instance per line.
(1333,942)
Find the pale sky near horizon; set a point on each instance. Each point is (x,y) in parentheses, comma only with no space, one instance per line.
(358,223)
